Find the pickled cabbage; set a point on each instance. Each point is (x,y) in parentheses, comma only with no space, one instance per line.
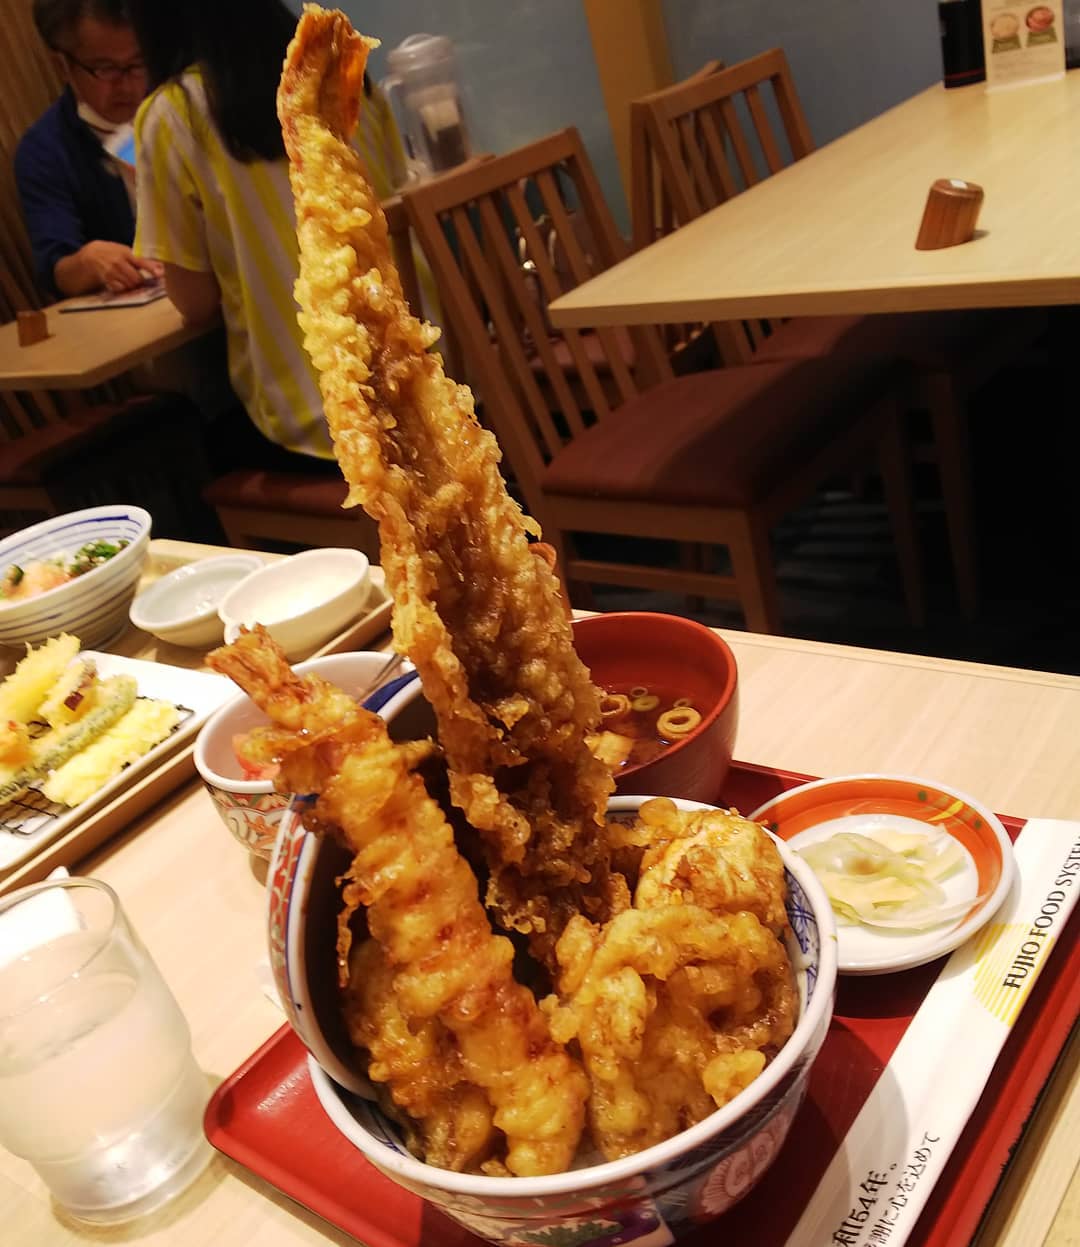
(890,879)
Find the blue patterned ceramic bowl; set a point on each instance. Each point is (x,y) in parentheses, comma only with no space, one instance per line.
(94,606)
(652,1197)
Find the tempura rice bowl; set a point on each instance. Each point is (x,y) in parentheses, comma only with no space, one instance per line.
(675,1185)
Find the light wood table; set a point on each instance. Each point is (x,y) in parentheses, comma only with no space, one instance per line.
(85,349)
(1009,736)
(835,232)
(100,822)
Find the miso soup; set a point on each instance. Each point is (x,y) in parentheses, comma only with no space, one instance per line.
(647,721)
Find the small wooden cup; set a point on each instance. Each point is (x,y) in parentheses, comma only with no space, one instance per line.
(33,327)
(952,208)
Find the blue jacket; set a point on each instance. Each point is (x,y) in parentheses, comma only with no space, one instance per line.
(69,196)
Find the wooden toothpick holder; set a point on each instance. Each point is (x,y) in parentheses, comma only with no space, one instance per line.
(952,208)
(33,327)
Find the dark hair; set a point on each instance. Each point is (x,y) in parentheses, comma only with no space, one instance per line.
(239,45)
(56,19)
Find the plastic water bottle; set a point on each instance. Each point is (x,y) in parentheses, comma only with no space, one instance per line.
(1072,33)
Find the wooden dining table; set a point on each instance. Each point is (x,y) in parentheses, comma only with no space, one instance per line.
(834,233)
(198,901)
(87,348)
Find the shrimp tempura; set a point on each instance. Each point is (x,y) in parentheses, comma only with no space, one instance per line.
(480,616)
(424,912)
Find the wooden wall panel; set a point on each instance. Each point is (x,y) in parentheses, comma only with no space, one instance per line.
(630,46)
(29,82)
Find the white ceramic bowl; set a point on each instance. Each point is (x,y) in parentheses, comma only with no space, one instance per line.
(688,1179)
(93,607)
(250,808)
(182,607)
(301,601)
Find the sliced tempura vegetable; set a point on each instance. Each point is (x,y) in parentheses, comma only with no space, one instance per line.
(135,734)
(888,879)
(72,695)
(115,697)
(22,693)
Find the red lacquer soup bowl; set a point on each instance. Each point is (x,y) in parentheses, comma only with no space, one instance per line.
(675,658)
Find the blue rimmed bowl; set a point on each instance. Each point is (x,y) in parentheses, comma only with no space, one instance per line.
(94,606)
(653,1195)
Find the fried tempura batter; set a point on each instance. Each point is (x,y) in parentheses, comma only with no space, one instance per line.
(675,1010)
(480,617)
(445,1118)
(678,1004)
(713,858)
(424,912)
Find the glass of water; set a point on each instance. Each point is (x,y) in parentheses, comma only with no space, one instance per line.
(98,1087)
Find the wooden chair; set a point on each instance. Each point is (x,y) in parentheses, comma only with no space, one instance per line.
(652,215)
(255,507)
(713,458)
(718,134)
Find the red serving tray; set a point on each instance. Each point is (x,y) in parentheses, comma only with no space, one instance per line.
(266,1115)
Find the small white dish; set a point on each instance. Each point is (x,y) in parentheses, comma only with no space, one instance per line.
(864,803)
(182,607)
(301,601)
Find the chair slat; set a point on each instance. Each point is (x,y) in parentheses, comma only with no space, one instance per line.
(582,269)
(711,129)
(552,288)
(532,317)
(791,113)
(507,341)
(705,196)
(18,422)
(744,157)
(763,128)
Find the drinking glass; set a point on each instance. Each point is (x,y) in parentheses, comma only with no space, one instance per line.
(99,1090)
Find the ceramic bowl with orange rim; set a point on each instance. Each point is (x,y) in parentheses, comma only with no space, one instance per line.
(869,804)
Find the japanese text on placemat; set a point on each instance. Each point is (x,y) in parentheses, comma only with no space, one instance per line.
(849,1233)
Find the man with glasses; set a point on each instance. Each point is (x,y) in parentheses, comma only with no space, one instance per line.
(77,197)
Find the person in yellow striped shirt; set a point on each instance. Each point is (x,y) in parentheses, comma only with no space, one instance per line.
(215,206)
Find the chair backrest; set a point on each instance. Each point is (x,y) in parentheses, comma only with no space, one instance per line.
(711,137)
(652,213)
(504,239)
